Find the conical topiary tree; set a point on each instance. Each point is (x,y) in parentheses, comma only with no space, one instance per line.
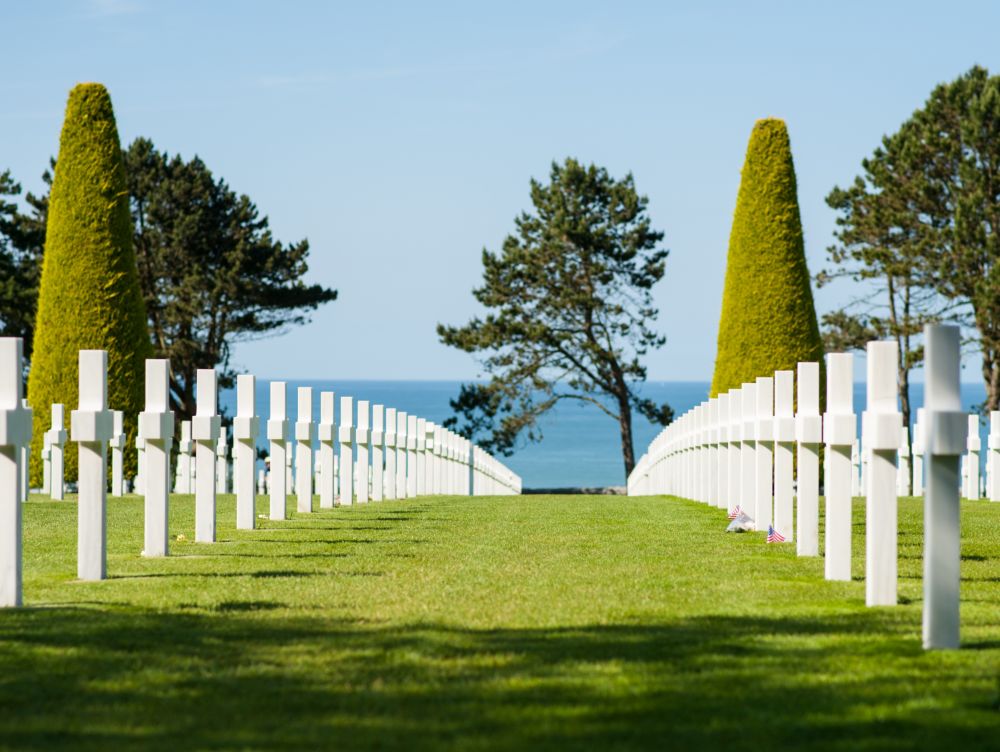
(89,296)
(768,317)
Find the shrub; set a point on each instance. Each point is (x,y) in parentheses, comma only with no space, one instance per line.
(768,318)
(89,296)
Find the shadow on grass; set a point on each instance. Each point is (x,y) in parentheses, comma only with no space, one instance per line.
(237,676)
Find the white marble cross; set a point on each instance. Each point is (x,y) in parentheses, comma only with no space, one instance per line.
(205,428)
(222,462)
(15,433)
(304,435)
(784,453)
(839,432)
(277,434)
(993,457)
(420,439)
(944,439)
(378,452)
(246,428)
(973,445)
(25,459)
(140,465)
(327,451)
(363,438)
(764,433)
(56,436)
(917,452)
(882,443)
(903,465)
(46,464)
(117,445)
(91,426)
(808,437)
(748,447)
(156,435)
(183,484)
(734,434)
(390,453)
(346,436)
(403,470)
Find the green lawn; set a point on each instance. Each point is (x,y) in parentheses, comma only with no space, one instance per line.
(494,623)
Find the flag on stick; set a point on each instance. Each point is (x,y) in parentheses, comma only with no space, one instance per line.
(773,536)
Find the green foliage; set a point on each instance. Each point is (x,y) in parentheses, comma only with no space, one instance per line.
(540,622)
(570,311)
(880,240)
(211,273)
(21,239)
(953,143)
(768,318)
(89,295)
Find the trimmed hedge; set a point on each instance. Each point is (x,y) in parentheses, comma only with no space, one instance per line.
(768,318)
(89,296)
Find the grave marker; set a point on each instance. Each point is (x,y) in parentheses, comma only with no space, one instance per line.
(15,433)
(156,434)
(764,433)
(346,451)
(918,454)
(421,452)
(205,428)
(117,445)
(90,427)
(748,446)
(808,436)
(402,438)
(57,440)
(882,444)
(390,453)
(411,456)
(246,428)
(363,437)
(735,448)
(183,483)
(46,465)
(222,463)
(839,432)
(944,439)
(378,459)
(304,435)
(327,453)
(784,453)
(993,458)
(973,444)
(277,435)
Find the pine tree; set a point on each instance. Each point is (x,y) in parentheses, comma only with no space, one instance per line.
(768,318)
(89,295)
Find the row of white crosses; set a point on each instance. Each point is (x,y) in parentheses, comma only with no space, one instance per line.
(403,455)
(735,452)
(386,455)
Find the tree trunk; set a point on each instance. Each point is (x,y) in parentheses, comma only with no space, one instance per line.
(625,425)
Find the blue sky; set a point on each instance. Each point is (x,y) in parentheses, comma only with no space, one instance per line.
(400,137)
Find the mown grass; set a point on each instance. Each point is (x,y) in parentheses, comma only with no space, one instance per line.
(490,623)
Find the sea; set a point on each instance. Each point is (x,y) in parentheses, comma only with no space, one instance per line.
(580,445)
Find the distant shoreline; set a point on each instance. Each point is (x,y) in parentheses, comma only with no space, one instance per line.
(598,491)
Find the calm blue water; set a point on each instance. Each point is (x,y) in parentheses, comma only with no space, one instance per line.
(580,445)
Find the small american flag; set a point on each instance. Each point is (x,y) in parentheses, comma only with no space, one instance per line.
(773,536)
(735,513)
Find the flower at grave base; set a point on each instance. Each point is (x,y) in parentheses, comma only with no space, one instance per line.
(181,537)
